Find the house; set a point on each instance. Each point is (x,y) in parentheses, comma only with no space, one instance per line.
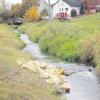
(92,6)
(71,7)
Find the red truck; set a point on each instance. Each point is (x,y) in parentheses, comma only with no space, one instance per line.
(63,16)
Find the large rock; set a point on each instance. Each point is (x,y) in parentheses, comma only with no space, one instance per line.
(65,73)
(65,87)
(61,71)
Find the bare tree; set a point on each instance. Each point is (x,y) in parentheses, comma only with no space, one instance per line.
(3,4)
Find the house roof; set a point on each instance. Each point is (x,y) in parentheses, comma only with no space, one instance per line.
(54,3)
(74,3)
(92,4)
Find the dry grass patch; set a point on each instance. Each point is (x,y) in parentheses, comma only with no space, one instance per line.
(17,83)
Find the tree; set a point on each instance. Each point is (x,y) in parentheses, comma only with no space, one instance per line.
(16,10)
(26,4)
(32,14)
(82,9)
(2,5)
(5,15)
(4,12)
(19,10)
(44,13)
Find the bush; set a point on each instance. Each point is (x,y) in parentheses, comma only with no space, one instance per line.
(87,50)
(32,14)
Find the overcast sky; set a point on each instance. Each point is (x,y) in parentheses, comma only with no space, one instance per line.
(52,1)
(14,1)
(19,1)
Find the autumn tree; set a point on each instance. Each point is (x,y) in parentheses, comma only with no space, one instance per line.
(32,14)
(15,10)
(23,10)
(26,4)
(30,3)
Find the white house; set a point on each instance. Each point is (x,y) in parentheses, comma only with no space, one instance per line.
(71,7)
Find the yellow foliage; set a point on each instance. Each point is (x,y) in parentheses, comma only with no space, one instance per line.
(32,14)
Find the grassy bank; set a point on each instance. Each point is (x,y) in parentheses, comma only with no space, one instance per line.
(17,83)
(75,41)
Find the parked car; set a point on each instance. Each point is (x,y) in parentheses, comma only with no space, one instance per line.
(18,21)
(63,16)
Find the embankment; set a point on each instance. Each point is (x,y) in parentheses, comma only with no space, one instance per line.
(17,83)
(75,41)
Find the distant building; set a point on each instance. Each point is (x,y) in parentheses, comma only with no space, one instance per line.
(92,6)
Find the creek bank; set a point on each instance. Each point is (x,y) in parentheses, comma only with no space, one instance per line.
(72,42)
(81,79)
(52,74)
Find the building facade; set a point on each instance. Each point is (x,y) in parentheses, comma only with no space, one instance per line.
(61,6)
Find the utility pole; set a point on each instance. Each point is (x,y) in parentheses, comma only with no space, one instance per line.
(49,9)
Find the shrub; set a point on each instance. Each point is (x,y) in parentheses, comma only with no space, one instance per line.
(87,51)
(32,14)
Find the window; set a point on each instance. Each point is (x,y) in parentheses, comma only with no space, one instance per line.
(66,9)
(62,9)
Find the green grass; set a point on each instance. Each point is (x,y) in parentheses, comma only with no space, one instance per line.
(75,41)
(17,83)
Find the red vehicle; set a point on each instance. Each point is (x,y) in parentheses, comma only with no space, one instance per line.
(62,16)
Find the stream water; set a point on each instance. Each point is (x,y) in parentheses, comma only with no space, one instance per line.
(85,85)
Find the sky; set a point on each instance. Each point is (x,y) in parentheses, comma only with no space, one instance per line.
(19,1)
(52,1)
(14,1)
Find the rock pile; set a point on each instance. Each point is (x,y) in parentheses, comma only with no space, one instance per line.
(50,73)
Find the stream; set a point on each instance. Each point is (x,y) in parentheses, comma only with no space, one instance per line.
(85,84)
